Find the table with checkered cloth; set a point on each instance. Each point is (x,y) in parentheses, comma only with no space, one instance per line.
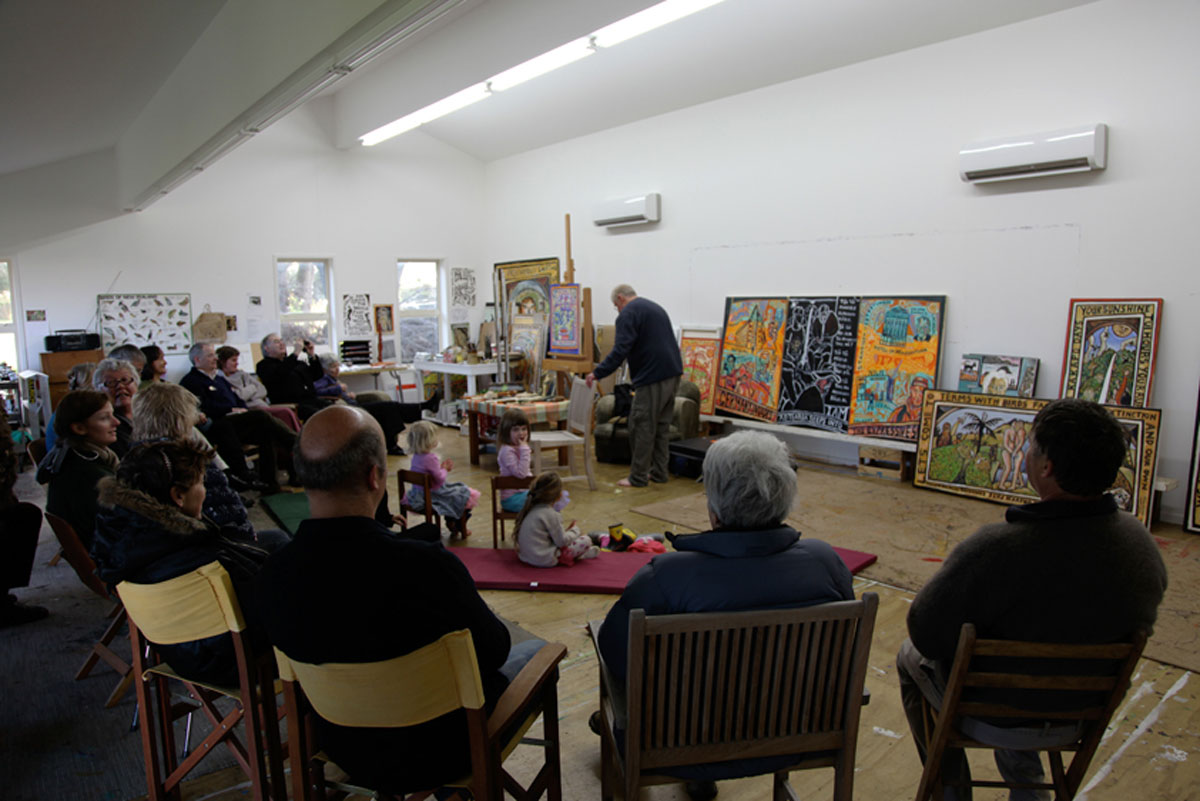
(552,412)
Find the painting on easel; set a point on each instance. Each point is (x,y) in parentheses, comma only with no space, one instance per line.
(1191,514)
(566,320)
(751,356)
(527,334)
(818,363)
(700,349)
(1110,350)
(977,445)
(525,286)
(895,363)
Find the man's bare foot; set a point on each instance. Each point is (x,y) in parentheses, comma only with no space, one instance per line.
(624,483)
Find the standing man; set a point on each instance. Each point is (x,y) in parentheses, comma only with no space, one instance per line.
(646,338)
(1070,567)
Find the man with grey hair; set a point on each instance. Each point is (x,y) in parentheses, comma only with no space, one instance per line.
(129,353)
(751,559)
(348,590)
(646,338)
(119,380)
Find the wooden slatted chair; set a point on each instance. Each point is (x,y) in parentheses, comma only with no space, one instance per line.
(499,515)
(424,480)
(1097,677)
(785,686)
(577,433)
(415,688)
(191,607)
(78,558)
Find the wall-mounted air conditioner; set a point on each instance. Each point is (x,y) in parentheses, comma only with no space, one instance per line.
(1079,149)
(628,211)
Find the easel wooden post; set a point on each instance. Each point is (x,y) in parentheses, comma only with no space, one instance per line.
(581,364)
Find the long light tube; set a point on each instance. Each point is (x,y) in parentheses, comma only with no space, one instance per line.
(620,31)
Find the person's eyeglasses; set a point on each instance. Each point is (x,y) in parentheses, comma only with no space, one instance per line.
(113,383)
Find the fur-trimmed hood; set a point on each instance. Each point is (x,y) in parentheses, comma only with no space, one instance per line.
(112,493)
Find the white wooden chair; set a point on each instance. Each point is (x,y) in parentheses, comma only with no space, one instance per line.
(577,432)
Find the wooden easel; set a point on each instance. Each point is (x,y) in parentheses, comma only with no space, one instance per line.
(581,364)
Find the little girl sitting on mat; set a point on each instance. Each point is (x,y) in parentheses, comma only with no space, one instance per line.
(541,539)
(513,457)
(452,500)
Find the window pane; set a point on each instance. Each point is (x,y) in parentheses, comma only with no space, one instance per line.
(8,350)
(417,335)
(418,285)
(303,287)
(6,312)
(315,331)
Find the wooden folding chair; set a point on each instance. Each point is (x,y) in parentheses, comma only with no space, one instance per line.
(577,433)
(425,481)
(79,559)
(499,515)
(1074,689)
(704,689)
(192,607)
(415,688)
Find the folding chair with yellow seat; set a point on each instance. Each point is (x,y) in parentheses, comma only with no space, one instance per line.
(416,688)
(499,515)
(79,559)
(783,685)
(577,433)
(1087,683)
(192,607)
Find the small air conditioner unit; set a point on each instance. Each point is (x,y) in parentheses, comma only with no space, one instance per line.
(1052,153)
(628,211)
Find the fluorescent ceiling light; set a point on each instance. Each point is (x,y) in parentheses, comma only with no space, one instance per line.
(447,105)
(648,19)
(540,65)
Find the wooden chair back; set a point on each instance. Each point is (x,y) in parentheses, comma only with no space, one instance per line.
(77,555)
(35,449)
(580,410)
(1066,685)
(190,607)
(499,515)
(417,479)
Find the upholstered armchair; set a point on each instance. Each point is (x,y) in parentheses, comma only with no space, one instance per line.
(612,433)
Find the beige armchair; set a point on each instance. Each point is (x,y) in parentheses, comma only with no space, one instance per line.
(612,433)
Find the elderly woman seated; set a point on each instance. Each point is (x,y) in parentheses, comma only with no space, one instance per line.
(118,379)
(751,559)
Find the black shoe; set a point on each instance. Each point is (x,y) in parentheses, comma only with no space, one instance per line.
(432,404)
(238,483)
(15,613)
(396,450)
(596,724)
(701,790)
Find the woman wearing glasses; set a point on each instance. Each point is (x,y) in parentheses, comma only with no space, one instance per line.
(119,380)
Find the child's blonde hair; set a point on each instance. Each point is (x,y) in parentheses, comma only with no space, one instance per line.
(546,488)
(422,437)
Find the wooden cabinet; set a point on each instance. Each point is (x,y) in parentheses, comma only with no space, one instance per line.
(56,365)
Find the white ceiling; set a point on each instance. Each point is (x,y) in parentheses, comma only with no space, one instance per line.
(75,74)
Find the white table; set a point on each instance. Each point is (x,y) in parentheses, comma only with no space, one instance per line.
(447,369)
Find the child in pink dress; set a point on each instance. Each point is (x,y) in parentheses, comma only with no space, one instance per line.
(452,500)
(513,458)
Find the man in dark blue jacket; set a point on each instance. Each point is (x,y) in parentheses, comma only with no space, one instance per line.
(750,560)
(646,339)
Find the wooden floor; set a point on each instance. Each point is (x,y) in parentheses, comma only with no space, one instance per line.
(1152,750)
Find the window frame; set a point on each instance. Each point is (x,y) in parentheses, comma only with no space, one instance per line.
(301,317)
(14,327)
(437,314)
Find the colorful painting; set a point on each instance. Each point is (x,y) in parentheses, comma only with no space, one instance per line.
(977,445)
(1110,350)
(566,333)
(700,349)
(528,335)
(157,319)
(985,374)
(817,375)
(751,357)
(524,286)
(895,362)
(1191,514)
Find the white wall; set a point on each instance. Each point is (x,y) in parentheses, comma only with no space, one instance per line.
(286,193)
(846,182)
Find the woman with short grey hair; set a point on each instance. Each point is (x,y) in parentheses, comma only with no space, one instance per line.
(118,379)
(749,481)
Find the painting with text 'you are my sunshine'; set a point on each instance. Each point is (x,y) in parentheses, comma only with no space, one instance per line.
(751,357)
(1110,350)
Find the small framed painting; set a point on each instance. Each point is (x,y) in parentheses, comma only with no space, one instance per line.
(700,349)
(986,374)
(385,322)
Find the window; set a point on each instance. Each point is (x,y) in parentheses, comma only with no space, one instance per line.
(304,300)
(8,331)
(418,308)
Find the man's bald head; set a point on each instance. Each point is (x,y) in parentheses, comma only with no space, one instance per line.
(337,448)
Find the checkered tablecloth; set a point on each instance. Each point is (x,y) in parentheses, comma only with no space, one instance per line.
(537,412)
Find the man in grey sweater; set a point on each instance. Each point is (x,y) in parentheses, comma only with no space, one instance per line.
(1070,567)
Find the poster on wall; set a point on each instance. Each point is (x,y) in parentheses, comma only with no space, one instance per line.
(1191,513)
(986,374)
(462,287)
(566,333)
(356,315)
(977,445)
(751,357)
(163,319)
(385,321)
(1110,350)
(895,362)
(700,349)
(817,373)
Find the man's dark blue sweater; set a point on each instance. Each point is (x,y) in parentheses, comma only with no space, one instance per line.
(646,339)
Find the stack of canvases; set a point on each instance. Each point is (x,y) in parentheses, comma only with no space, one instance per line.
(869,366)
